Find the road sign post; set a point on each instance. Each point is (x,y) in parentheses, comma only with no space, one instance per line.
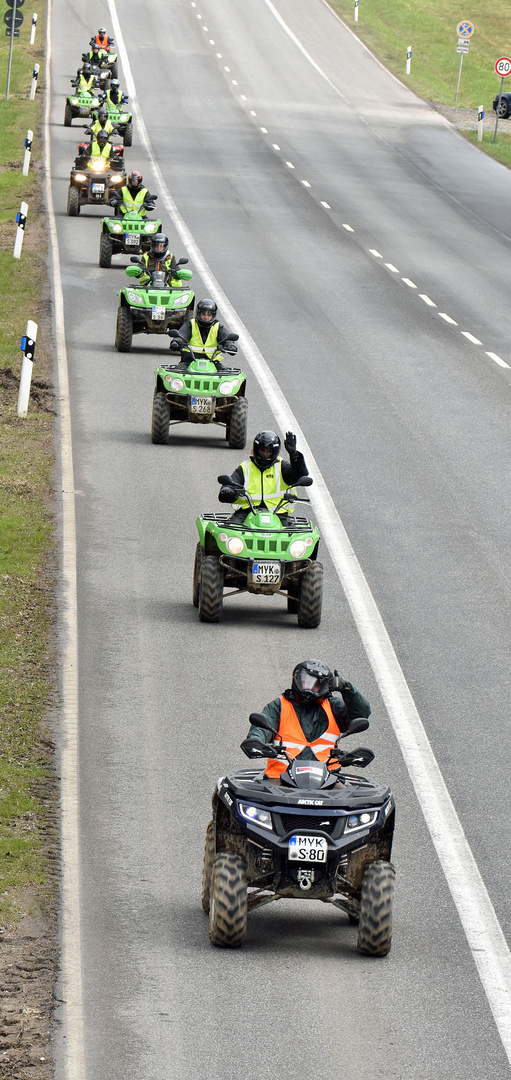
(502,68)
(464,30)
(28,350)
(35,76)
(480,118)
(408,59)
(33,30)
(13,25)
(356,10)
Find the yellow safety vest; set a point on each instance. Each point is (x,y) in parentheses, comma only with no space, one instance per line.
(129,203)
(97,127)
(96,150)
(267,485)
(210,345)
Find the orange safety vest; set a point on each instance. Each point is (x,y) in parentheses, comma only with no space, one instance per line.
(294,740)
(103,42)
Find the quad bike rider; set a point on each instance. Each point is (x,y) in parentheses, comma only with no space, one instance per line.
(265,476)
(84,80)
(306,827)
(102,124)
(160,258)
(97,56)
(113,96)
(98,147)
(307,717)
(102,40)
(133,197)
(204,334)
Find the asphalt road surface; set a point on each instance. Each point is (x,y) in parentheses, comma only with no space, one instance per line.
(269,151)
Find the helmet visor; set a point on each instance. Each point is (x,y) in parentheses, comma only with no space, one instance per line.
(306,681)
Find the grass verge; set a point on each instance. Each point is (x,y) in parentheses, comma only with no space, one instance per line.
(388,27)
(28,788)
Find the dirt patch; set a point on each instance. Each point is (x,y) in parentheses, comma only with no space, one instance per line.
(466,119)
(27,976)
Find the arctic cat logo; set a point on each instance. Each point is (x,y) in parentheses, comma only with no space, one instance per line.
(310,802)
(227,798)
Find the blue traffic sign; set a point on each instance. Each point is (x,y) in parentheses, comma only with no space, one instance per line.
(465,29)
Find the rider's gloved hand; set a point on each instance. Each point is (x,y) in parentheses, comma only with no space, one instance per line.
(290,443)
(250,750)
(338,683)
(175,346)
(228,494)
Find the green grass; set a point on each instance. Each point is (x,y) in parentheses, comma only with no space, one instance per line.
(27,660)
(389,26)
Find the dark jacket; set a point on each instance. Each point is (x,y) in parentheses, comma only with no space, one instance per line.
(312,717)
(291,471)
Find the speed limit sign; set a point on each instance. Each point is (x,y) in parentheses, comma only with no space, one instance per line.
(503,66)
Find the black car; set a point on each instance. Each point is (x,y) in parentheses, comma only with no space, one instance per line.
(504,109)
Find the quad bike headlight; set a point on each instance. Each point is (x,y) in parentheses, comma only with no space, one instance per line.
(177,384)
(134,298)
(255,814)
(235,545)
(117,228)
(361,821)
(74,101)
(98,166)
(150,226)
(80,178)
(297,549)
(115,179)
(182,301)
(227,388)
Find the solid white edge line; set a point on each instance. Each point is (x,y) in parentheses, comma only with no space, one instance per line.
(70,921)
(482,929)
(307,55)
(498,360)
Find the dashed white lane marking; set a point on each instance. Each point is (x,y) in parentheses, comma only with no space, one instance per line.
(447,318)
(390,266)
(243,97)
(199,16)
(427,299)
(498,360)
(290,164)
(326,205)
(211,42)
(411,284)
(276,146)
(470,337)
(484,935)
(234,82)
(219,55)
(206,29)
(264,131)
(373,251)
(226,68)
(252,113)
(348,228)
(305,183)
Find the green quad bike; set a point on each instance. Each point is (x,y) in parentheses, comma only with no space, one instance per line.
(259,556)
(152,308)
(79,105)
(123,119)
(200,394)
(124,235)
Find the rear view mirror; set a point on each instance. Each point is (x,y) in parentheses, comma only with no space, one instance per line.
(223,478)
(359,723)
(260,719)
(304,481)
(181,262)
(232,337)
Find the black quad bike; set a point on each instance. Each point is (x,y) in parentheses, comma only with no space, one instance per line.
(310,834)
(95,182)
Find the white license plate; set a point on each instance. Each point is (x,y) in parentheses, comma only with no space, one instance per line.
(308,849)
(266,573)
(202,405)
(158,312)
(131,240)
(98,187)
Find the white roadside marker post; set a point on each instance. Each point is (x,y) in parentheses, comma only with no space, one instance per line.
(356,10)
(480,118)
(28,350)
(28,151)
(32,32)
(35,76)
(408,59)
(21,218)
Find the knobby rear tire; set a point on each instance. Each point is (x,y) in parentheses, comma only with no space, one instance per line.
(105,251)
(311,596)
(207,870)
(238,424)
(228,901)
(128,135)
(197,570)
(160,419)
(68,115)
(376,900)
(73,202)
(124,330)
(211,589)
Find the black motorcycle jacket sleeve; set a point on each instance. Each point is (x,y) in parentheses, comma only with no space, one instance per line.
(296,468)
(313,720)
(229,494)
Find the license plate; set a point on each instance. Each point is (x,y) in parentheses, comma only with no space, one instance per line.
(308,849)
(131,240)
(158,312)
(202,405)
(98,187)
(266,573)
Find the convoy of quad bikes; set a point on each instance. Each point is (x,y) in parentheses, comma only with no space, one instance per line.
(320,832)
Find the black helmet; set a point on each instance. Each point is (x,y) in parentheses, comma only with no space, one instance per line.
(159,245)
(102,137)
(205,312)
(265,449)
(135,181)
(102,113)
(86,69)
(95,47)
(311,681)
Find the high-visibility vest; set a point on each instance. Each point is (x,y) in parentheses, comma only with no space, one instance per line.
(210,345)
(129,203)
(96,151)
(294,739)
(85,85)
(102,42)
(97,127)
(266,485)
